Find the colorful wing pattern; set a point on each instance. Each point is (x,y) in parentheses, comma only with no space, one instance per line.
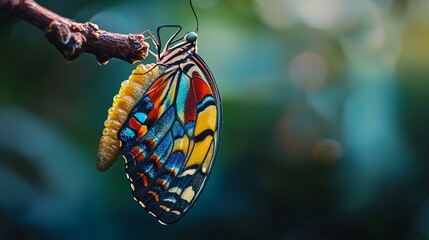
(171,136)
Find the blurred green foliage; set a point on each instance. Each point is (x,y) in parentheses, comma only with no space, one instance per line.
(325,132)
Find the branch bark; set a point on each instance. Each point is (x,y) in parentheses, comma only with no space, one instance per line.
(73,38)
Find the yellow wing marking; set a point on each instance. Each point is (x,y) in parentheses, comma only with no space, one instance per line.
(208,159)
(170,92)
(165,208)
(206,119)
(199,151)
(181,144)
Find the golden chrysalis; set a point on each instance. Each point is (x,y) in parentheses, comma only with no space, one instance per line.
(129,94)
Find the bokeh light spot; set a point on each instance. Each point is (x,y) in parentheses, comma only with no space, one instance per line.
(297,133)
(327,151)
(319,14)
(276,13)
(308,71)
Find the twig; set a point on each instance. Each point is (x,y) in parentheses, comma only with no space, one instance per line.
(73,38)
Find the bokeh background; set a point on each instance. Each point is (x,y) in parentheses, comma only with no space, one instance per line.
(325,134)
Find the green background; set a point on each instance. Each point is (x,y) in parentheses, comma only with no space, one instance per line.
(325,132)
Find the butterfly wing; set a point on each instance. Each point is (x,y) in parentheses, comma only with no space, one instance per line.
(170,139)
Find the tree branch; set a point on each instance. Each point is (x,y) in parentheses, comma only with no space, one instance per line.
(73,38)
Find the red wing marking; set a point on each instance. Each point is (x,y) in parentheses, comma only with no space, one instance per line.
(143,177)
(201,88)
(134,124)
(153,193)
(137,154)
(190,106)
(162,182)
(155,159)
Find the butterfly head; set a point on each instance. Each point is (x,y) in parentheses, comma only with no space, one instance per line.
(190,37)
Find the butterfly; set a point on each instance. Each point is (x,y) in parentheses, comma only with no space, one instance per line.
(171,136)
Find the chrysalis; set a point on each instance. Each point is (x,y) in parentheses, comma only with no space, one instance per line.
(129,94)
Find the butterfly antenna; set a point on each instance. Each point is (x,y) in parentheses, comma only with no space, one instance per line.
(195,14)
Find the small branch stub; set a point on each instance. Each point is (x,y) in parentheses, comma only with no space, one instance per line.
(73,38)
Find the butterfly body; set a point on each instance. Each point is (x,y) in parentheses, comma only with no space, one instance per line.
(171,136)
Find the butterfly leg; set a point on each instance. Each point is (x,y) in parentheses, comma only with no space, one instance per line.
(154,41)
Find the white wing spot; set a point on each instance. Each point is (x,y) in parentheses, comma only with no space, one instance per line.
(188,194)
(176,190)
(188,172)
(175,212)
(172,200)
